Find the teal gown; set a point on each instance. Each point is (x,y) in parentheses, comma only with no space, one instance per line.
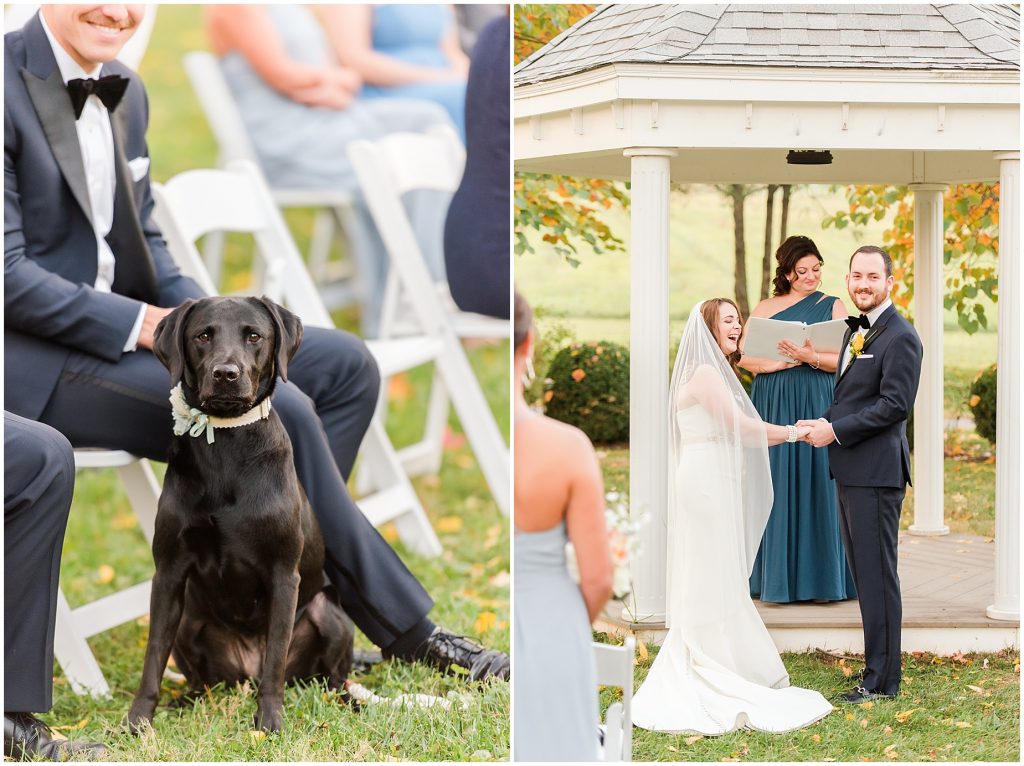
(801,556)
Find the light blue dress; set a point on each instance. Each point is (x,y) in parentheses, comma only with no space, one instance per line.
(303,146)
(413,34)
(554,679)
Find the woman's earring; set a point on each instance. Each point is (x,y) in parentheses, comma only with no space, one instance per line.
(531,373)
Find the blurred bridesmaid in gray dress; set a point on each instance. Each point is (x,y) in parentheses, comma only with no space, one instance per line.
(559,496)
(301,109)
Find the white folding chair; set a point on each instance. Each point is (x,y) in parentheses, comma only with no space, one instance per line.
(333,206)
(387,169)
(74,626)
(615,668)
(131,54)
(236,199)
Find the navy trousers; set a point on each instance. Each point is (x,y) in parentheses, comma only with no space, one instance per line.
(870,520)
(39,479)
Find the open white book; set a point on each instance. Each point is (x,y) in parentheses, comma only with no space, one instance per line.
(763,336)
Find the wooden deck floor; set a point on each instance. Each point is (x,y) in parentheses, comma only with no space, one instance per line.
(947,583)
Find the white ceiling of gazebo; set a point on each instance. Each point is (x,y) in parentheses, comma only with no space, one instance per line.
(898,94)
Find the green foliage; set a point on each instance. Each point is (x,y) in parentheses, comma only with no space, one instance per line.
(550,336)
(983,403)
(565,209)
(589,389)
(971,233)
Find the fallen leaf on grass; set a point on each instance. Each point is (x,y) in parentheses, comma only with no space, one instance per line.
(863,723)
(71,726)
(847,670)
(390,533)
(484,622)
(816,737)
(887,730)
(849,716)
(963,725)
(867,705)
(500,580)
(672,749)
(904,715)
(694,738)
(979,690)
(105,574)
(641,649)
(124,521)
(493,533)
(257,734)
(481,755)
(449,524)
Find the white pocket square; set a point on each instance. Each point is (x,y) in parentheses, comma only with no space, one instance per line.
(139,167)
(866,356)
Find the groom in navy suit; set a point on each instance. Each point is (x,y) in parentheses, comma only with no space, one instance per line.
(865,430)
(88,277)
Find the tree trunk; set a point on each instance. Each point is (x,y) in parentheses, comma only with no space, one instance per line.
(738,193)
(769,221)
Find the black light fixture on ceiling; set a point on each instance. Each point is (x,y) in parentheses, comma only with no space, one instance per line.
(809,157)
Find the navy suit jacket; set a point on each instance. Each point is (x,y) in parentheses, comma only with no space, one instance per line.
(50,306)
(873,398)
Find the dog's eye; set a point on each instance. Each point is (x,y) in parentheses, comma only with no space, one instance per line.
(254,337)
(203,337)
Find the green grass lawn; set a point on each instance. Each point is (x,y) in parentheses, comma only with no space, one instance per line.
(961,709)
(105,551)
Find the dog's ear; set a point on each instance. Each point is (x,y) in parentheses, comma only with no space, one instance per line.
(169,341)
(287,335)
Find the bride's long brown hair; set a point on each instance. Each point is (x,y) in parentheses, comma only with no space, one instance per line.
(710,310)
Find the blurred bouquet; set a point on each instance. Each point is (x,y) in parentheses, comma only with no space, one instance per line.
(623,543)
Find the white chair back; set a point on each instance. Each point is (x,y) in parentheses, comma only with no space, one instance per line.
(615,668)
(218,104)
(386,169)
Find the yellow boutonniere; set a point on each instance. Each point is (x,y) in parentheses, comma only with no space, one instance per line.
(856,345)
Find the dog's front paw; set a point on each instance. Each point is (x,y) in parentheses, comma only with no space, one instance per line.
(269,716)
(139,720)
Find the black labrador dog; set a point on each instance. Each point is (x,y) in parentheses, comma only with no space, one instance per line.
(239,589)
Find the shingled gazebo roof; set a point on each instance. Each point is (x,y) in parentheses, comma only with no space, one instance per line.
(910,37)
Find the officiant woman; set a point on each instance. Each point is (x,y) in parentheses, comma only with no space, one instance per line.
(801,556)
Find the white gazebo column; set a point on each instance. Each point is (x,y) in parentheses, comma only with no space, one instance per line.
(648,374)
(1008,384)
(929,506)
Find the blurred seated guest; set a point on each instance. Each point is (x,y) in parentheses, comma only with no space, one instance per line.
(473,17)
(402,51)
(301,110)
(556,710)
(476,234)
(39,478)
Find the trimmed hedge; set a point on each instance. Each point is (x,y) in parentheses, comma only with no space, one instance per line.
(983,403)
(588,387)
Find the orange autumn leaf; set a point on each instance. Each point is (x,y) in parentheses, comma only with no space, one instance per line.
(578,375)
(485,621)
(105,574)
(449,524)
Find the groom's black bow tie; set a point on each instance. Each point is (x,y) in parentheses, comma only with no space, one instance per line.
(854,322)
(110,90)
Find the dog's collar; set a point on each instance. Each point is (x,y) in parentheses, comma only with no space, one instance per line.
(194,421)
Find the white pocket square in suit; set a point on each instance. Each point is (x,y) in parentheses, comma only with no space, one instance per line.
(139,167)
(865,356)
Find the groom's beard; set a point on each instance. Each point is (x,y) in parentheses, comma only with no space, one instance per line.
(875,299)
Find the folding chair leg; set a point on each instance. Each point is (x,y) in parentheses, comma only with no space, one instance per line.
(477,420)
(320,243)
(424,457)
(397,501)
(74,656)
(143,492)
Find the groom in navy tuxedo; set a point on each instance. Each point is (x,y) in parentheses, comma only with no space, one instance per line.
(865,430)
(87,279)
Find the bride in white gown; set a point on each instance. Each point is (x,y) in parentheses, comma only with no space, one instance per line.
(718,669)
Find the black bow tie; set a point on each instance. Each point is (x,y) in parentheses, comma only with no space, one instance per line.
(854,322)
(110,90)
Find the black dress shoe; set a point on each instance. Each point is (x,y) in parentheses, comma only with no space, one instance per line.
(27,738)
(363,660)
(443,650)
(860,694)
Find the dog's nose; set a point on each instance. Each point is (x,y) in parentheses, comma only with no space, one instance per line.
(225,372)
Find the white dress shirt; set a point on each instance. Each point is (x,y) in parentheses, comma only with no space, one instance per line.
(872,318)
(96,141)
